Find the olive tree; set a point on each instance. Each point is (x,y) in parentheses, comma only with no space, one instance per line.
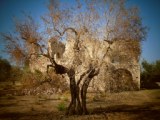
(90,23)
(91,26)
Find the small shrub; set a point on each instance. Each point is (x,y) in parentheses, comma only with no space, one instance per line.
(5,70)
(61,106)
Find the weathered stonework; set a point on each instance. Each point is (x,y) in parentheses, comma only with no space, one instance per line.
(119,66)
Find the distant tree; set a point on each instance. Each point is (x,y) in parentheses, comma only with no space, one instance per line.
(16,74)
(21,43)
(5,70)
(150,74)
(92,23)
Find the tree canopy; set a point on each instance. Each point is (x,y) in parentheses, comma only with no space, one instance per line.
(150,74)
(88,24)
(5,69)
(92,19)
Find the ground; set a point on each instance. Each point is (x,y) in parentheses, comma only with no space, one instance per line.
(135,105)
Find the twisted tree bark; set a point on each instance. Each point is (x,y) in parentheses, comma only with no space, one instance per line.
(78,104)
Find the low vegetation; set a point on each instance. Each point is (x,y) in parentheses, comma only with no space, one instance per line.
(30,83)
(61,106)
(137,105)
(150,75)
(5,69)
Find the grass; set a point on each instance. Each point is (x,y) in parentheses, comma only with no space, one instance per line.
(61,106)
(136,105)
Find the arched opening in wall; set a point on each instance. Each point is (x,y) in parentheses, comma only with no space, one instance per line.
(122,80)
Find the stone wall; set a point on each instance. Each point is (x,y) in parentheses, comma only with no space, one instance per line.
(123,56)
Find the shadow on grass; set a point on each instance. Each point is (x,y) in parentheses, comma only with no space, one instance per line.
(147,111)
(126,108)
(34,115)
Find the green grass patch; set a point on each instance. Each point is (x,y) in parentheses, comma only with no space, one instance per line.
(61,106)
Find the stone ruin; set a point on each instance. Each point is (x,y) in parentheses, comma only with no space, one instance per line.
(120,70)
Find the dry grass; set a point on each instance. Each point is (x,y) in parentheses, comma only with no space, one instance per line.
(137,105)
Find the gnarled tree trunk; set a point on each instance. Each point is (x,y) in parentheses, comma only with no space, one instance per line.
(78,96)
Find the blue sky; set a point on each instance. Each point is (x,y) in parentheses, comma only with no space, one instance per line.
(149,11)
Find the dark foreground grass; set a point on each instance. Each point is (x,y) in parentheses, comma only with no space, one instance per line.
(120,115)
(137,105)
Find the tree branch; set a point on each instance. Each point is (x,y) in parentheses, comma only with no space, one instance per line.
(82,76)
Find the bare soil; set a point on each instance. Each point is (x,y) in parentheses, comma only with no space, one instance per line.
(135,105)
